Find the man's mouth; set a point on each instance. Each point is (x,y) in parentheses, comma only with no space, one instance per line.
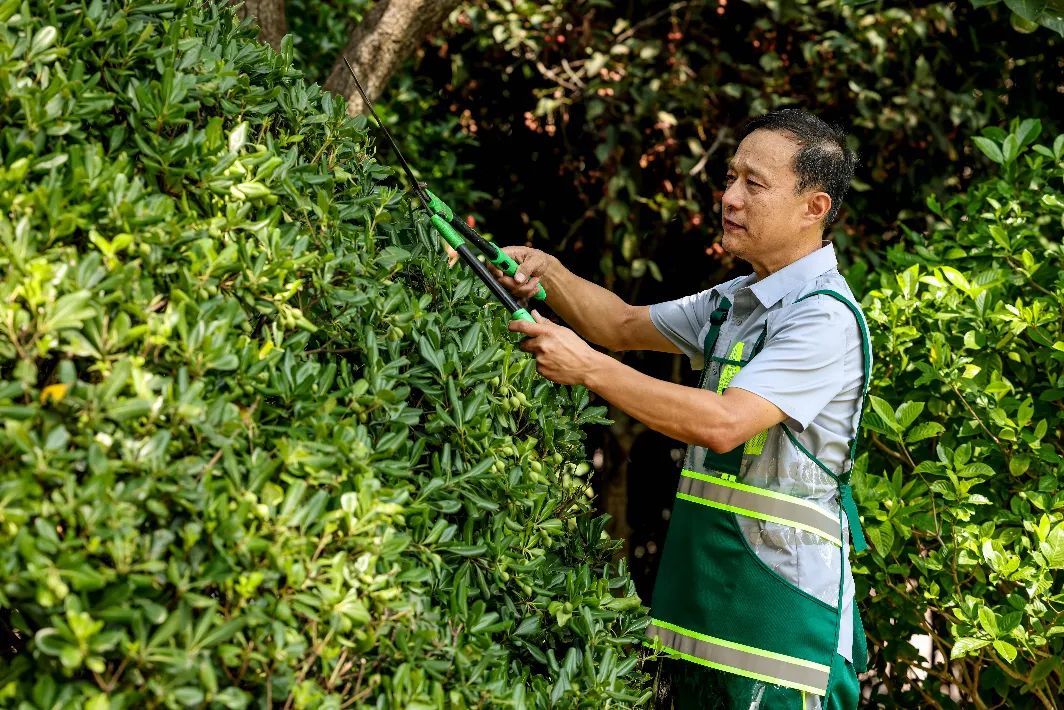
(729,224)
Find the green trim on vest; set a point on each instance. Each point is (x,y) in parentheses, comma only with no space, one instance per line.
(849,505)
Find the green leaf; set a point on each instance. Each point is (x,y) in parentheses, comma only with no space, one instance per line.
(1029,130)
(977,469)
(907,413)
(884,411)
(1027,9)
(392,255)
(966,647)
(924,430)
(988,620)
(1006,650)
(70,311)
(1052,548)
(989,148)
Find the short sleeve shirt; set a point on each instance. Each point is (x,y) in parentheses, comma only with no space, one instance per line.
(810,366)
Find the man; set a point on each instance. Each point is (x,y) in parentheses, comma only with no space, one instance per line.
(754,601)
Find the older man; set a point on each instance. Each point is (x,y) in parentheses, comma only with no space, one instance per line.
(754,601)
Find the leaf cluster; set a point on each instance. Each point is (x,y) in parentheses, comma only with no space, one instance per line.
(961,492)
(257,447)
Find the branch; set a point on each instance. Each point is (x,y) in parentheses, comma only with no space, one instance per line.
(385,38)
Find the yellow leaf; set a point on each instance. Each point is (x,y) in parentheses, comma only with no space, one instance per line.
(54,393)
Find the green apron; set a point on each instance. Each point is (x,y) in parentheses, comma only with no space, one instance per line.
(716,603)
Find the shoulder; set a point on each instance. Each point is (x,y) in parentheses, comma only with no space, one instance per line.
(826,298)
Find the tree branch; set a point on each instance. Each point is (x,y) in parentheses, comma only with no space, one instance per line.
(385,38)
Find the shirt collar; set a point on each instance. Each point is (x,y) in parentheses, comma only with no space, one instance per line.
(771,289)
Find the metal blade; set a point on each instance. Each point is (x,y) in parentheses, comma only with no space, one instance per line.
(406,166)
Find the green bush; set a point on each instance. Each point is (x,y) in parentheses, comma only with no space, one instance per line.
(963,497)
(258,447)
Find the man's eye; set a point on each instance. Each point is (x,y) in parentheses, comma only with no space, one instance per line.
(755,184)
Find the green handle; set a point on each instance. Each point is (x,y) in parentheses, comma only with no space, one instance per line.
(509,267)
(439,206)
(522,314)
(447,231)
(495,255)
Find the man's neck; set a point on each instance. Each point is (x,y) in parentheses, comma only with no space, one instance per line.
(804,248)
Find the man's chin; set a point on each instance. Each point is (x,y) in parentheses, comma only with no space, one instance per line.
(731,243)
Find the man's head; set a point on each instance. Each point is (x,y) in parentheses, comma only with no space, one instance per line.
(785,187)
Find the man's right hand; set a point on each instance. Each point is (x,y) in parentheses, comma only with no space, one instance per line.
(533,266)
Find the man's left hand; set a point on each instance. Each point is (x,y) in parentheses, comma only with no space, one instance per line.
(561,355)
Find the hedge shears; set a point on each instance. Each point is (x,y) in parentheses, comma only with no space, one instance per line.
(453,229)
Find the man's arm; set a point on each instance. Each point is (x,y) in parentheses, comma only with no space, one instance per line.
(596,314)
(692,415)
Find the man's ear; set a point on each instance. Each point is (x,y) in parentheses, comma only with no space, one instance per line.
(817,206)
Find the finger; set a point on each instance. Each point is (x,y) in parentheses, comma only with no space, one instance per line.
(523,326)
(529,289)
(530,265)
(516,253)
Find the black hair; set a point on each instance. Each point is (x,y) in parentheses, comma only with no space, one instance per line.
(822,161)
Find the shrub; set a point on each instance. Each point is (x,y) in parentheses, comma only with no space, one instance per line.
(962,498)
(257,445)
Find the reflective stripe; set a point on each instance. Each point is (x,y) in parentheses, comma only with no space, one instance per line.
(759,503)
(742,660)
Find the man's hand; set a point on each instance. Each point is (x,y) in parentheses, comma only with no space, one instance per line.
(532,267)
(561,355)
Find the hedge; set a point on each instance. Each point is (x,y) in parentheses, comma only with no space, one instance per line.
(258,447)
(962,491)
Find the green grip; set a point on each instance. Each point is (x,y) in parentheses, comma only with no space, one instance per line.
(509,267)
(444,214)
(522,314)
(447,232)
(439,206)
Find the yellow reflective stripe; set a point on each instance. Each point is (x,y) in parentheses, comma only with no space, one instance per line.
(761,516)
(741,647)
(794,500)
(745,674)
(736,658)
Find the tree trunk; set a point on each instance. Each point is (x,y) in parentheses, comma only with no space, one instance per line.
(384,39)
(270,17)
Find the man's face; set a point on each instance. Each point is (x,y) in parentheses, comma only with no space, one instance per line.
(761,213)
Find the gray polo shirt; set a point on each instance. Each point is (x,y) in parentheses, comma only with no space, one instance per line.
(811,368)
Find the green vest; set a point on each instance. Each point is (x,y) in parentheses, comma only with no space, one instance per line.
(716,603)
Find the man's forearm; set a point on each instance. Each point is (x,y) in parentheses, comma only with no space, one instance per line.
(596,314)
(692,415)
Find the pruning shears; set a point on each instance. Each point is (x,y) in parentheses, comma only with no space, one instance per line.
(453,229)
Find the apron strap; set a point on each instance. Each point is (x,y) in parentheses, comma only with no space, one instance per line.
(846,499)
(716,320)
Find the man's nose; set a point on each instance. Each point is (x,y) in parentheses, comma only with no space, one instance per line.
(732,199)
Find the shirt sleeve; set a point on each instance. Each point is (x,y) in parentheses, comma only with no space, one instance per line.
(682,322)
(801,367)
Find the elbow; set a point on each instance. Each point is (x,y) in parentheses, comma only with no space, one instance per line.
(721,436)
(718,442)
